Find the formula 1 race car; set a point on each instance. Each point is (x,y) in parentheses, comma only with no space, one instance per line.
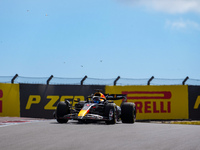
(97,107)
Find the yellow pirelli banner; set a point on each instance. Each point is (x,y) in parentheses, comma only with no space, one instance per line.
(155,102)
(9,100)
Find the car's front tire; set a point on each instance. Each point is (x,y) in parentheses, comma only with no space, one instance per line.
(111,113)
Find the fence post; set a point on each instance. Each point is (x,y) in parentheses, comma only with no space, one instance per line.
(115,82)
(148,83)
(185,80)
(49,79)
(83,80)
(13,79)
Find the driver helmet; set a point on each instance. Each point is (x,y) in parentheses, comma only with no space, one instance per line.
(101,96)
(96,99)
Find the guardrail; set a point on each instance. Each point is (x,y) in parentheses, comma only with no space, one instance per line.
(95,81)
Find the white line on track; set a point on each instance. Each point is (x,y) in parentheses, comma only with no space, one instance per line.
(16,122)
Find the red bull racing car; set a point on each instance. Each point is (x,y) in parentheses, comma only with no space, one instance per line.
(97,107)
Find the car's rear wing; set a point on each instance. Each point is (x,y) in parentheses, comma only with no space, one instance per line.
(112,97)
(116,97)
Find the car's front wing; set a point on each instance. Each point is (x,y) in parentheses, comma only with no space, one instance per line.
(86,117)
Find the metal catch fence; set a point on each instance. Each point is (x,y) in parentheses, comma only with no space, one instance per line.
(95,81)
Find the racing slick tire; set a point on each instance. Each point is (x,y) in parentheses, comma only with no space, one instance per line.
(128,113)
(61,111)
(111,113)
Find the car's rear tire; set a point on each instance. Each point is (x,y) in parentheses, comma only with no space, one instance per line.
(111,113)
(128,113)
(61,111)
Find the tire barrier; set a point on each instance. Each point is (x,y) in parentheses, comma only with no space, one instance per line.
(152,102)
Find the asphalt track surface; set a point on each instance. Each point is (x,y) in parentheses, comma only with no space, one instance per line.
(49,135)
